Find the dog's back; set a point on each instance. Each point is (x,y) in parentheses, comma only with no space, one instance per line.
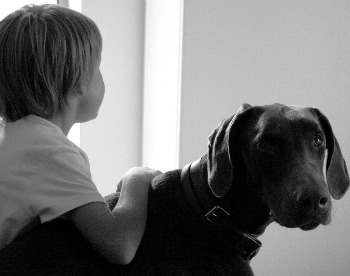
(177,242)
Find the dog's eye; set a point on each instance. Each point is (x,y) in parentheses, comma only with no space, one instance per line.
(318,140)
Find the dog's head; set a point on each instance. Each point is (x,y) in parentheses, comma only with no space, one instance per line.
(277,152)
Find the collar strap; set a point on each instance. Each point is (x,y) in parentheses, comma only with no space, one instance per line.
(205,206)
(199,195)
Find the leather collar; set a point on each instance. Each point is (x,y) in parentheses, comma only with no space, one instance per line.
(204,204)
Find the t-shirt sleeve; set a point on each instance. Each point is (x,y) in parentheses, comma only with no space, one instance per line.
(62,183)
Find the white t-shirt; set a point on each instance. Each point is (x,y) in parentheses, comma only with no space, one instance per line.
(43,175)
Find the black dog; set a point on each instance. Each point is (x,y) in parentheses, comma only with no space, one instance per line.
(264,164)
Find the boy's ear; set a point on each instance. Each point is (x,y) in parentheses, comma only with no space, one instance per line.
(81,90)
(73,98)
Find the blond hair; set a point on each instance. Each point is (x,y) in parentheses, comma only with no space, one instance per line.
(47,53)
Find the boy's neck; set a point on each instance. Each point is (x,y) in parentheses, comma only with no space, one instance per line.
(62,122)
(66,119)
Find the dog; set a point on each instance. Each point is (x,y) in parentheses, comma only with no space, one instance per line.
(264,164)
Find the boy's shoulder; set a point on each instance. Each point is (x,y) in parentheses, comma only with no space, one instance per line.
(32,142)
(33,133)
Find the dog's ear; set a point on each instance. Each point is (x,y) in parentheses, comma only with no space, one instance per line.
(336,171)
(220,169)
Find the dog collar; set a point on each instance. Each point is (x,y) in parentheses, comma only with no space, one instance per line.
(202,201)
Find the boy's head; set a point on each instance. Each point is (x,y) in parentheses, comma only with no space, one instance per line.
(47,54)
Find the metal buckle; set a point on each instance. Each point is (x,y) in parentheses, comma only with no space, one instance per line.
(215,214)
(251,246)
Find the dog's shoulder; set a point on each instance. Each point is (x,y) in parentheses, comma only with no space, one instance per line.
(166,188)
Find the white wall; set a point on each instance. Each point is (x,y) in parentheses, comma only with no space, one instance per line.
(260,52)
(113,140)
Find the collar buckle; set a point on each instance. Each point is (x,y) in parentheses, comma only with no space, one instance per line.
(217,214)
(251,246)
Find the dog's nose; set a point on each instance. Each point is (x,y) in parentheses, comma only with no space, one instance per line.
(322,203)
(313,202)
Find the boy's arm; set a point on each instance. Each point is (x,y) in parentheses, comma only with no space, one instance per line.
(116,235)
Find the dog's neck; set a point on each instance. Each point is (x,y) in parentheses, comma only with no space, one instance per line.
(247,212)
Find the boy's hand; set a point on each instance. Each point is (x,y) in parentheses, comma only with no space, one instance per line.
(116,235)
(141,175)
